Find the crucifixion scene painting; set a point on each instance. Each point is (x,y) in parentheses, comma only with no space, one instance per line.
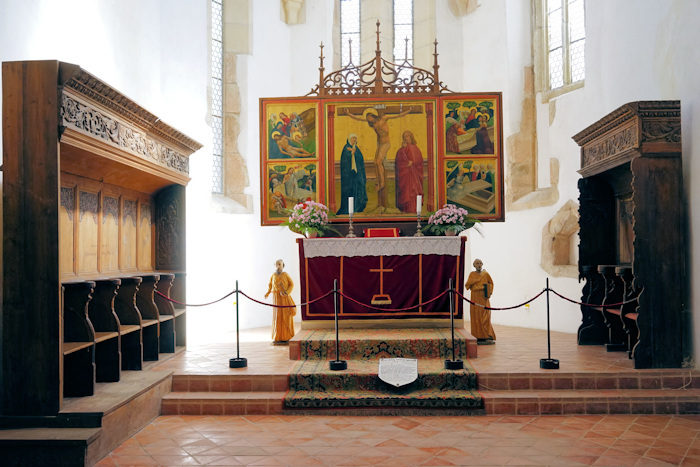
(379,155)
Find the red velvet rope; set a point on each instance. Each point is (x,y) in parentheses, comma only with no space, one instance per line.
(393,309)
(505,308)
(200,304)
(612,305)
(286,306)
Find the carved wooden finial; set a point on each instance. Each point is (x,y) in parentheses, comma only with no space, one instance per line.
(378,23)
(321,57)
(436,85)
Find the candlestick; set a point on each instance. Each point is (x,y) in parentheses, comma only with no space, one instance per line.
(418,232)
(419,206)
(351,232)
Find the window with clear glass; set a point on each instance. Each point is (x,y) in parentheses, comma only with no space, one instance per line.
(217,95)
(566,42)
(349,32)
(403,35)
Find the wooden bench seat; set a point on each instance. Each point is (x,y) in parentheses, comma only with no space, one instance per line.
(103,336)
(114,324)
(126,329)
(70,347)
(106,324)
(78,340)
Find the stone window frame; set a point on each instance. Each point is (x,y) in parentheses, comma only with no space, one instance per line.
(237,40)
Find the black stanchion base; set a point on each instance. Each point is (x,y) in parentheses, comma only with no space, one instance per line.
(454,364)
(338,365)
(549,364)
(238,363)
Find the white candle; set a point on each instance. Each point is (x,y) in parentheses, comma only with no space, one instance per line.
(419,202)
(351,205)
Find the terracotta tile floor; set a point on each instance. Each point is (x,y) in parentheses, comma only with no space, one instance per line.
(612,440)
(340,440)
(517,350)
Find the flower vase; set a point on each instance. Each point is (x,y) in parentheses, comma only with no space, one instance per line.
(311,234)
(450,233)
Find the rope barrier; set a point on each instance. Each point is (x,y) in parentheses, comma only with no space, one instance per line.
(392,309)
(612,305)
(287,306)
(428,302)
(200,304)
(504,308)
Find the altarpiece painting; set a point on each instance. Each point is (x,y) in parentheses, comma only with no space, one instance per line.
(382,134)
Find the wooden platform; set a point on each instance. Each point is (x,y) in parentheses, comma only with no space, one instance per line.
(88,428)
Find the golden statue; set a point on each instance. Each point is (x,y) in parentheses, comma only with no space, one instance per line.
(282,318)
(481,286)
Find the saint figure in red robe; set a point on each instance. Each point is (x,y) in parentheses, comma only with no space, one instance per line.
(409,173)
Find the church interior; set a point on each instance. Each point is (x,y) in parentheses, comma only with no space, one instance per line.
(148,276)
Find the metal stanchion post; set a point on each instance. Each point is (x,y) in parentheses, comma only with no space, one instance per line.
(337,364)
(455,363)
(237,362)
(549,363)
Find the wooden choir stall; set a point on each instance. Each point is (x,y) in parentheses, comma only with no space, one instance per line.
(94,226)
(632,241)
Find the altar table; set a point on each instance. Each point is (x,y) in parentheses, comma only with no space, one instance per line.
(393,273)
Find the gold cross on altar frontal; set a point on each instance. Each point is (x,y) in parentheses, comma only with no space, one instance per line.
(382,298)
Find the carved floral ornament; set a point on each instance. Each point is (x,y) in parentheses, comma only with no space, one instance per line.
(83,117)
(615,144)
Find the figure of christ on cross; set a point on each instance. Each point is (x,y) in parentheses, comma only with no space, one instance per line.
(380,125)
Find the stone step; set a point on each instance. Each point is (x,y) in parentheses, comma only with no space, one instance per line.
(627,380)
(372,344)
(592,401)
(363,375)
(432,398)
(47,446)
(230,383)
(223,403)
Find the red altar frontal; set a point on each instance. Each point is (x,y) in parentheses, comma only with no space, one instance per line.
(386,273)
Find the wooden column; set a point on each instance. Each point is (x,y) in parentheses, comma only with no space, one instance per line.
(31,315)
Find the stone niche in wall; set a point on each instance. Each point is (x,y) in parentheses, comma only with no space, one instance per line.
(558,237)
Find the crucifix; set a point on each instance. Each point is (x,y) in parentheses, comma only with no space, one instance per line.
(381,298)
(377,119)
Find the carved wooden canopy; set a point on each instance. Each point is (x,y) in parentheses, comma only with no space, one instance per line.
(632,130)
(96,118)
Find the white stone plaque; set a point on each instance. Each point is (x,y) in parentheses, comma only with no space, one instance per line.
(398,371)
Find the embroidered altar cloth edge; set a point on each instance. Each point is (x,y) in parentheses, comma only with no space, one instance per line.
(382,246)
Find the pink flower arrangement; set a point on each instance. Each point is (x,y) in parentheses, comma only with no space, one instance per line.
(308,216)
(449,217)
